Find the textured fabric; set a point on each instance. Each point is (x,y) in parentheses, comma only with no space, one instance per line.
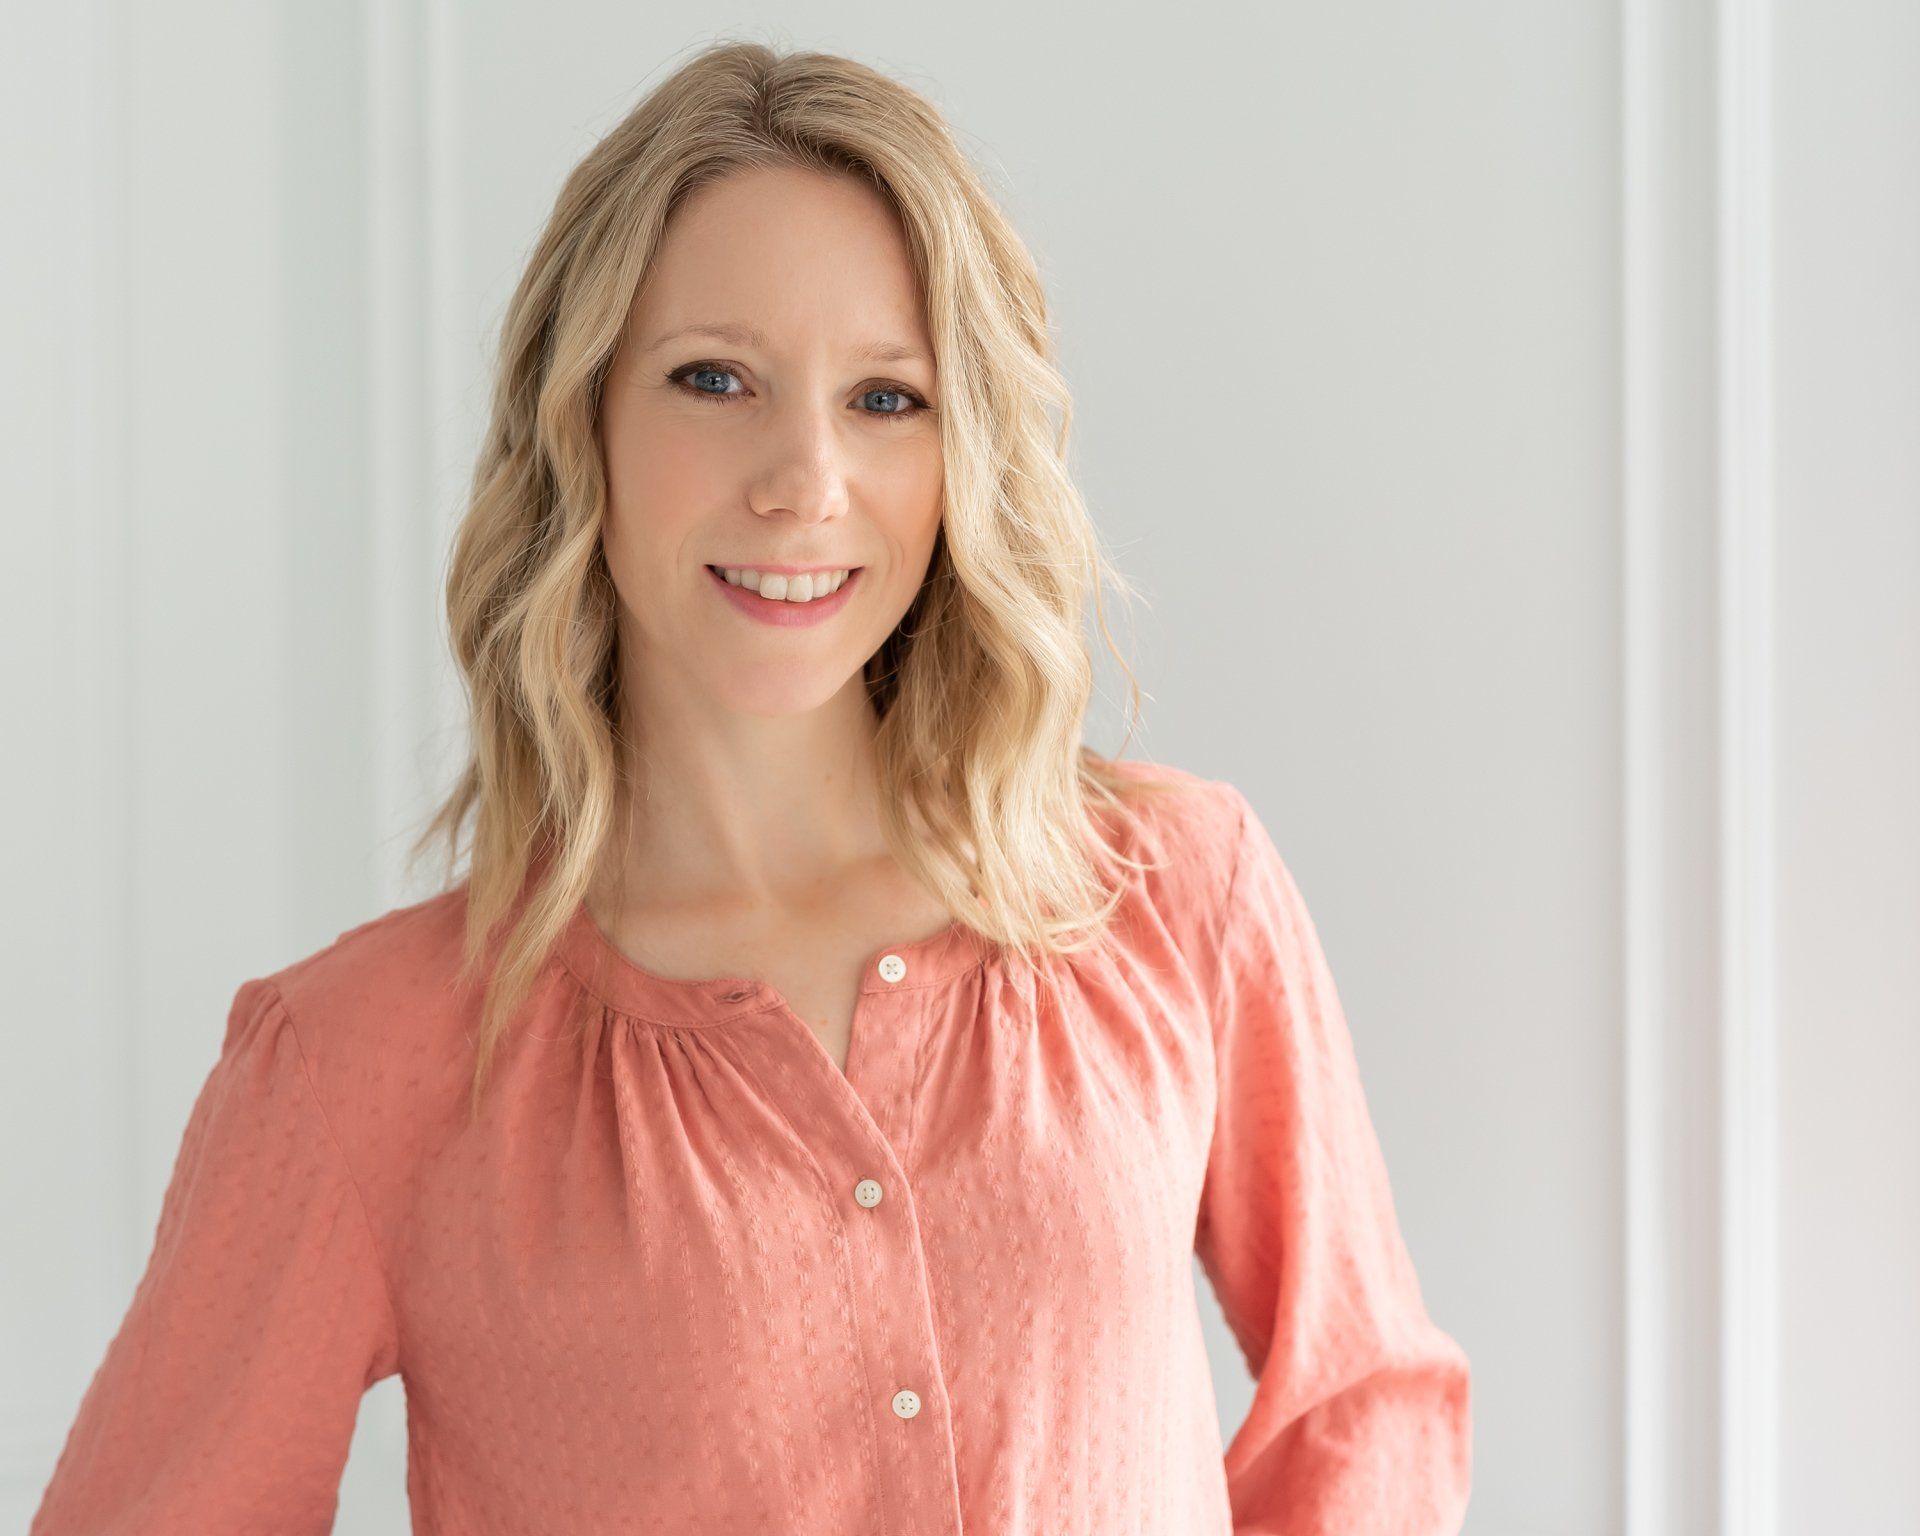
(684,1276)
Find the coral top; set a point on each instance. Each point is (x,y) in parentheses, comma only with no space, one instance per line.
(685,1276)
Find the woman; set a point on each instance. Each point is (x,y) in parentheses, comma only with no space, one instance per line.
(801,1115)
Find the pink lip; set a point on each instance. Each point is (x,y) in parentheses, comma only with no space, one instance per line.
(778,611)
(779,570)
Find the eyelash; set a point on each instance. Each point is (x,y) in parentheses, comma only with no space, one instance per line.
(679,375)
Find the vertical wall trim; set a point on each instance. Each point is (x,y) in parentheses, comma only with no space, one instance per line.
(447,372)
(103,547)
(415,402)
(1644,1432)
(400,425)
(1749,1361)
(1700,1404)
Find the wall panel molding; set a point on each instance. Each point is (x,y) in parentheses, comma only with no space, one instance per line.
(1697,443)
(403,197)
(1749,1451)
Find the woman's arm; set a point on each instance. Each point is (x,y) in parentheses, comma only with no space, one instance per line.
(226,1401)
(1360,1423)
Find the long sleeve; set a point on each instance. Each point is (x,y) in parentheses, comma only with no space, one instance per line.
(1360,1423)
(226,1401)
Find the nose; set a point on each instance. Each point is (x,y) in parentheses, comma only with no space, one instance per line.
(804,473)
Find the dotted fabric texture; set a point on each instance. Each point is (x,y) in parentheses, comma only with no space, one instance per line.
(685,1276)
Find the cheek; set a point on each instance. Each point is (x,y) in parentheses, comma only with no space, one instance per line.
(651,467)
(912,496)
(657,482)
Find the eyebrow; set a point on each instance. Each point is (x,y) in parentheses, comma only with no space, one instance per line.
(741,335)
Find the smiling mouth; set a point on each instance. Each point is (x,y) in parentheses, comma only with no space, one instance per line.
(761,575)
(773,596)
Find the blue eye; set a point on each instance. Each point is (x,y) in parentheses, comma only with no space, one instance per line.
(913,402)
(695,370)
(911,406)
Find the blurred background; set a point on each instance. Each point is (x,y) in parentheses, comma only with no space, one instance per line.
(1510,412)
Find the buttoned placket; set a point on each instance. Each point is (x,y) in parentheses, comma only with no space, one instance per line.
(857,1124)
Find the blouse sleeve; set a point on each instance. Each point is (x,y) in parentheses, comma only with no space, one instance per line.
(1360,1419)
(226,1401)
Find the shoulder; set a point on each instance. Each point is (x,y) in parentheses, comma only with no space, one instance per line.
(1188,836)
(404,957)
(1189,825)
(382,1012)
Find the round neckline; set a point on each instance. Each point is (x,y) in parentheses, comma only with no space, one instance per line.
(620,982)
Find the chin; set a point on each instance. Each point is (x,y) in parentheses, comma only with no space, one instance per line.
(776,692)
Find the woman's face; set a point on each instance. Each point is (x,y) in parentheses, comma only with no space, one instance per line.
(771,405)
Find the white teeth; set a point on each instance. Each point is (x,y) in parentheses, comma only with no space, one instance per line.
(790,589)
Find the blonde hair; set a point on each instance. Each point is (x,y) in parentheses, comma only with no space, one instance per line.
(982,689)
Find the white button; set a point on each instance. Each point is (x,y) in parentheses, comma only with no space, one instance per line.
(892,967)
(906,1403)
(867,1192)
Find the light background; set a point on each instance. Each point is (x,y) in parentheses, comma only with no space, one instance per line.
(1512,412)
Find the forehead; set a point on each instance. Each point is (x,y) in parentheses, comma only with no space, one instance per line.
(798,254)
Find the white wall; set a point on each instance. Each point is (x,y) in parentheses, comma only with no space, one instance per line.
(1510,411)
(1847,634)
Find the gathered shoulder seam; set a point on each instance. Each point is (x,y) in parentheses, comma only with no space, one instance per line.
(1222,914)
(353,1182)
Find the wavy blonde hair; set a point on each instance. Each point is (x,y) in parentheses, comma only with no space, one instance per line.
(982,689)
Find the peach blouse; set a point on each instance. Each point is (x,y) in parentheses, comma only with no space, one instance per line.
(685,1276)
